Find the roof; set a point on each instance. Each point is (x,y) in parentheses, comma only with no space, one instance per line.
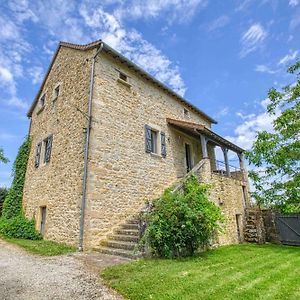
(124,60)
(197,129)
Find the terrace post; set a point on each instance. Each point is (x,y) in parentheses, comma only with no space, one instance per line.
(225,152)
(242,162)
(203,146)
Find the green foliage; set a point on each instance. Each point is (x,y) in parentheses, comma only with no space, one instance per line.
(19,227)
(42,247)
(182,221)
(13,223)
(3,193)
(277,154)
(2,157)
(12,206)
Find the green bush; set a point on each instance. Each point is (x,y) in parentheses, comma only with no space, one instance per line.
(13,223)
(3,193)
(181,222)
(19,227)
(12,206)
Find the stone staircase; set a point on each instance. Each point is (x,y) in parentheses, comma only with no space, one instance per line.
(123,241)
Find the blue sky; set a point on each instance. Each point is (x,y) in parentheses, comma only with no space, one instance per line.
(222,56)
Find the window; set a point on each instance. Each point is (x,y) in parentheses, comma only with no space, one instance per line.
(47,147)
(42,100)
(188,158)
(37,155)
(152,142)
(122,76)
(186,113)
(43,219)
(56,93)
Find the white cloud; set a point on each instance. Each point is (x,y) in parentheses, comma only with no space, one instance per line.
(295,22)
(293,3)
(288,58)
(132,44)
(36,73)
(90,20)
(245,133)
(221,113)
(265,69)
(252,39)
(174,10)
(218,23)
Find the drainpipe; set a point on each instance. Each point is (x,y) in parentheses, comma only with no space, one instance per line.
(86,150)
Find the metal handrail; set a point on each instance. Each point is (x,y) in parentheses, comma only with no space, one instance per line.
(220,168)
(193,171)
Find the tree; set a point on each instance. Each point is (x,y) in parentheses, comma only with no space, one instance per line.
(277,154)
(2,157)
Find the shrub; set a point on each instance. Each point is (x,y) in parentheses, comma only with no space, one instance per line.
(179,223)
(3,193)
(13,223)
(12,206)
(19,227)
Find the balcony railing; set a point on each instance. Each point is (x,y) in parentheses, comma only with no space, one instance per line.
(219,167)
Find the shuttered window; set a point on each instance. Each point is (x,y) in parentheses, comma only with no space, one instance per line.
(48,147)
(152,141)
(148,139)
(163,144)
(38,155)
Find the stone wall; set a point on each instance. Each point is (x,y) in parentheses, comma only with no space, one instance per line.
(228,194)
(58,184)
(122,176)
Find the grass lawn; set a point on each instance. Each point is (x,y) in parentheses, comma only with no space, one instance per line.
(230,272)
(45,248)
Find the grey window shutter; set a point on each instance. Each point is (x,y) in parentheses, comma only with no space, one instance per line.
(148,141)
(37,155)
(48,148)
(163,144)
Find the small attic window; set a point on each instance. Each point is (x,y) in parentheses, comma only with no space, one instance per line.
(56,92)
(186,113)
(42,100)
(122,76)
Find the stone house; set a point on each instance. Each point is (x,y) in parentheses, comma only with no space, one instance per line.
(106,137)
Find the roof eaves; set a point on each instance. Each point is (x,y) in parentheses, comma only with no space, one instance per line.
(142,72)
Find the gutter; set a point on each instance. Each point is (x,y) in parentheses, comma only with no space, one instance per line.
(86,150)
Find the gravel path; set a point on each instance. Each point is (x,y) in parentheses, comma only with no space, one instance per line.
(74,276)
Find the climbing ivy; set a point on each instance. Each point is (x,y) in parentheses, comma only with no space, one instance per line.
(13,223)
(12,206)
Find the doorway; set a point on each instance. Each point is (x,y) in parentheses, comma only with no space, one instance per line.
(238,218)
(188,157)
(43,219)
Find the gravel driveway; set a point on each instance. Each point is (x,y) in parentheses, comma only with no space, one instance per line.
(73,276)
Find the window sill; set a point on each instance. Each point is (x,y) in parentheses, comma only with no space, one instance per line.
(155,155)
(124,82)
(40,110)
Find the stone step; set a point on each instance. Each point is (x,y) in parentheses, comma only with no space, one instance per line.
(124,238)
(118,244)
(133,221)
(119,252)
(123,231)
(130,226)
(251,240)
(250,226)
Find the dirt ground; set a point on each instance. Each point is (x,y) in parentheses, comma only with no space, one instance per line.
(73,276)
